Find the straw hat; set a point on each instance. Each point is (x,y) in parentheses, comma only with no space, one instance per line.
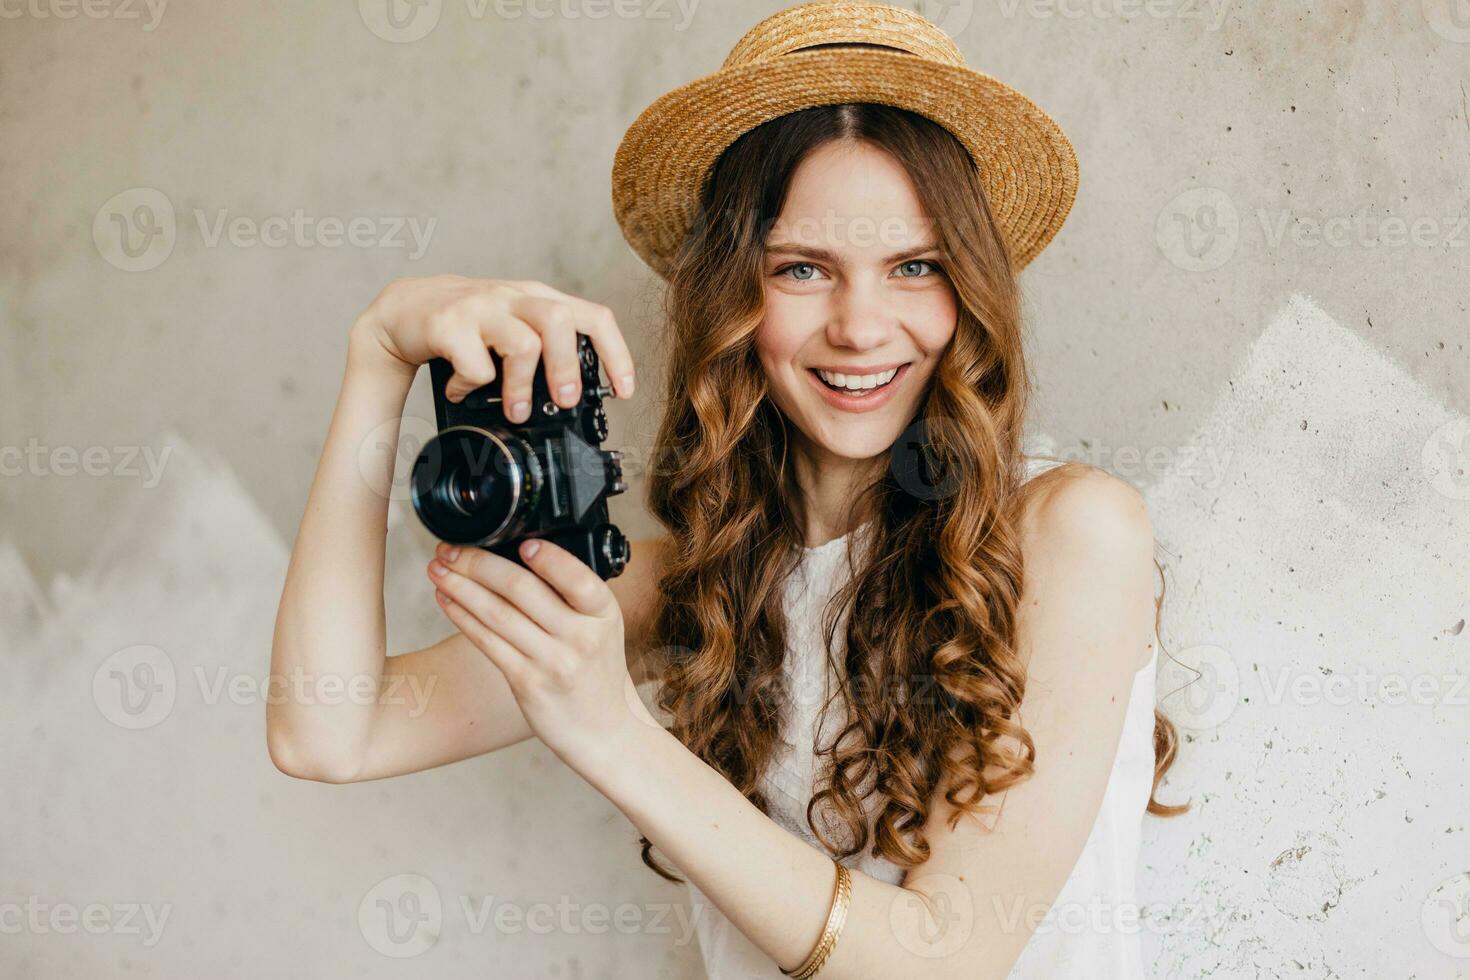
(1026,163)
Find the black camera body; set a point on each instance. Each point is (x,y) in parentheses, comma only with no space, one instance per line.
(490,482)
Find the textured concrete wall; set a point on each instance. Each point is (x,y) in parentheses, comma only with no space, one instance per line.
(1255,313)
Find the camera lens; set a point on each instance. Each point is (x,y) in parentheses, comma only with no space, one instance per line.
(475,486)
(469,492)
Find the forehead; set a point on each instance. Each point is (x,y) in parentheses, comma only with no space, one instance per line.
(852,195)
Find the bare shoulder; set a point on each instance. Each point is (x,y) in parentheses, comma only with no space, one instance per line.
(635,590)
(1088,552)
(1077,509)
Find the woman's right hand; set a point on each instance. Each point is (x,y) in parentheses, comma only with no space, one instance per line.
(525,322)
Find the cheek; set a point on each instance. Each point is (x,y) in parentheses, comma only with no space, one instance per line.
(780,336)
(935,316)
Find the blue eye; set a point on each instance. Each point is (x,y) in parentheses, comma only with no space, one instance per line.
(913,262)
(797,265)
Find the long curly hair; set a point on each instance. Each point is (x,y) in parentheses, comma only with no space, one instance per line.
(930,679)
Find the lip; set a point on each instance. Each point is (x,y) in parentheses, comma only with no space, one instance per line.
(859,371)
(859,403)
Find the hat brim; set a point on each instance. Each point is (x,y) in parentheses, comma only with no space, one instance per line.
(1026,163)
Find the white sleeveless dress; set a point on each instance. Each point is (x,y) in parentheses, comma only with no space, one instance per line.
(1105,872)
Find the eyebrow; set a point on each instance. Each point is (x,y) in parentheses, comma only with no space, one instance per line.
(826,255)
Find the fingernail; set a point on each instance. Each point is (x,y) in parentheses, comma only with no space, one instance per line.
(530,547)
(566,391)
(435,568)
(452,553)
(626,384)
(520,411)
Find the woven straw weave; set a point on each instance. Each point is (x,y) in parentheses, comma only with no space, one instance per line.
(1026,163)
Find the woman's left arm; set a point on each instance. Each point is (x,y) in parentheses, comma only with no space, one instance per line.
(1086,621)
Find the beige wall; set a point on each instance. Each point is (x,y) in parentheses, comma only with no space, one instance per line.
(1303,401)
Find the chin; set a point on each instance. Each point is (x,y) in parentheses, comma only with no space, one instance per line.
(858,446)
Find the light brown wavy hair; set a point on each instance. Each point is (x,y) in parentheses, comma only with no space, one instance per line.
(931,679)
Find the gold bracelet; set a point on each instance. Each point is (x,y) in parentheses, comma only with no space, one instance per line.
(836,918)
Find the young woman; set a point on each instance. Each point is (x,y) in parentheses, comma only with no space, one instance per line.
(906,681)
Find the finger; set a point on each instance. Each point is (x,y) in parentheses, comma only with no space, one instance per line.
(516,585)
(458,338)
(510,661)
(500,616)
(580,587)
(599,323)
(557,322)
(519,345)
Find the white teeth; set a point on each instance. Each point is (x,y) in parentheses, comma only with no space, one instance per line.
(854,382)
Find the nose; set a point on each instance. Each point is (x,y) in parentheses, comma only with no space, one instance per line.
(860,318)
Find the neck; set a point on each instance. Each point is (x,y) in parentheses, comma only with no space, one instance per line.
(830,486)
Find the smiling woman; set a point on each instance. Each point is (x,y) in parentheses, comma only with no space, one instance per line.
(854,321)
(987,640)
(870,623)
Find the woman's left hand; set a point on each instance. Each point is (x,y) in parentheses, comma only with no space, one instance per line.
(555,630)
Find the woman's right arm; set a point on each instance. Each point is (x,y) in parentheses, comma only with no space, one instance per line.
(342,710)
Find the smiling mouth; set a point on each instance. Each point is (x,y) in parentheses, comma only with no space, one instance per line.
(857,392)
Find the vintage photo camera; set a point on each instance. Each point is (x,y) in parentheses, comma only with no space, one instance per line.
(489,482)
